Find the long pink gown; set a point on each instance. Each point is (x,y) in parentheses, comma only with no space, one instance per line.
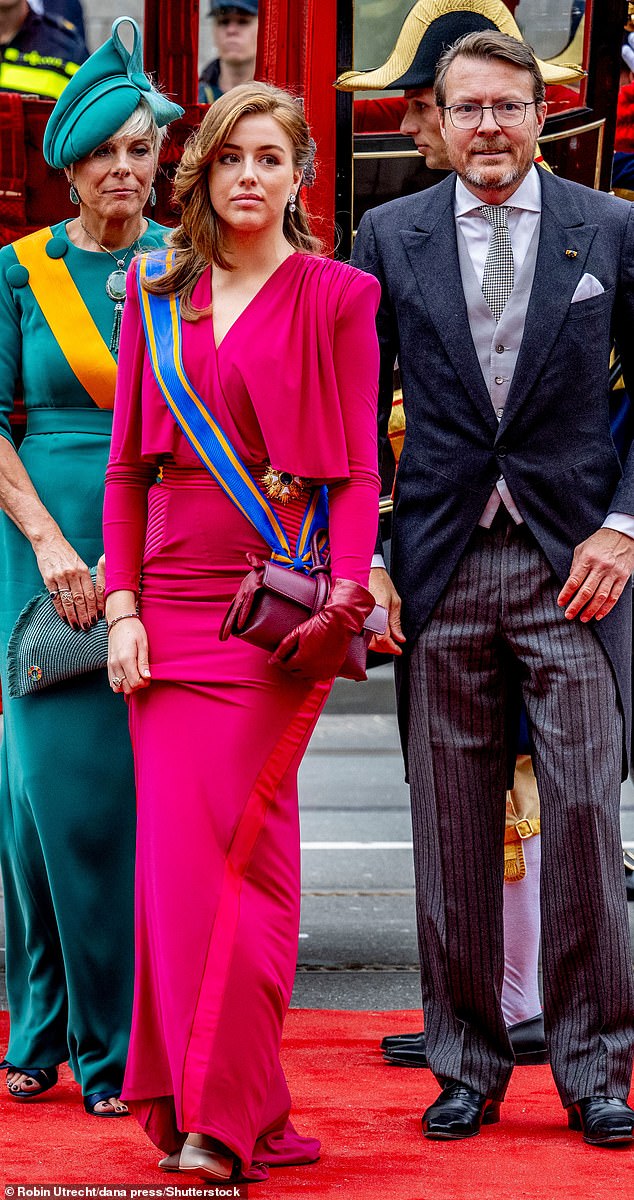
(219,735)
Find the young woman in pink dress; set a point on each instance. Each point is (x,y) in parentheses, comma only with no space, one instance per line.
(280,345)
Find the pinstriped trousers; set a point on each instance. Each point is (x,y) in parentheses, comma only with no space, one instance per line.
(500,605)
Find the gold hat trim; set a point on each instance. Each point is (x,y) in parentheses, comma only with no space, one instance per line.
(413,30)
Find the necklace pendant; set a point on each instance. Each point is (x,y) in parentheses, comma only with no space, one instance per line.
(115,285)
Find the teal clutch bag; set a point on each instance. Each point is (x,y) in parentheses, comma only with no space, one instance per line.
(44,650)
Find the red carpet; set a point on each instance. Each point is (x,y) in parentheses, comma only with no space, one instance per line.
(368,1118)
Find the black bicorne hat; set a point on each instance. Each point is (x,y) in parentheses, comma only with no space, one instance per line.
(428,29)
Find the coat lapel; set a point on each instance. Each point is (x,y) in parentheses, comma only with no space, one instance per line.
(432,251)
(564,243)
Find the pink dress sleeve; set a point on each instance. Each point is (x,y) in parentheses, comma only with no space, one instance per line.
(128,477)
(354,503)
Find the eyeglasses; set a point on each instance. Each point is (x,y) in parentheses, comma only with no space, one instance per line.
(506,113)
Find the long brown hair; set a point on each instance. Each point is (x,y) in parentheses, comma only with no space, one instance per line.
(198,240)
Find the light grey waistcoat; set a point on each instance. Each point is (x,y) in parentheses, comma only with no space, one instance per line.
(497,343)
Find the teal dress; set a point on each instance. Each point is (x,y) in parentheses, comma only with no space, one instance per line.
(67,811)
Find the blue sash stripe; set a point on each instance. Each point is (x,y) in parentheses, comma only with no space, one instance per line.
(163,335)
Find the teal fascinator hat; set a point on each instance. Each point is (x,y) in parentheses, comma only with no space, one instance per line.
(100,98)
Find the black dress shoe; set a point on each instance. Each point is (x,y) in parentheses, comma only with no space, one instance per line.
(394,1041)
(458,1113)
(406,1050)
(603,1120)
(527,1039)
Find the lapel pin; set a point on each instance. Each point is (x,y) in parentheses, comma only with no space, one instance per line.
(571,253)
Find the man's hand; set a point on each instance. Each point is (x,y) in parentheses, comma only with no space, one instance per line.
(386,594)
(601,567)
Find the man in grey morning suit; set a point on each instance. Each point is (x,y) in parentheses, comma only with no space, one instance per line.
(513,548)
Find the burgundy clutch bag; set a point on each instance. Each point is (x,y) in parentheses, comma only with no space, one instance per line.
(272,600)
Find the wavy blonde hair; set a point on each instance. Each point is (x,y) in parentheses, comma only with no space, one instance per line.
(198,240)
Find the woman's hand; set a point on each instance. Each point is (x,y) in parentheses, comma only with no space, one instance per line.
(128,659)
(68,582)
(386,594)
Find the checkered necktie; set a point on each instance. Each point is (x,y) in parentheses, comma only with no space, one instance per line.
(497,281)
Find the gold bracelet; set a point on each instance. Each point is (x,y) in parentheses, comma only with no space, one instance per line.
(123,617)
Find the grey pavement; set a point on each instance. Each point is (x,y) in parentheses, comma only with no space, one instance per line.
(358,933)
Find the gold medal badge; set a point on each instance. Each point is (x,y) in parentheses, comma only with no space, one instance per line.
(282,486)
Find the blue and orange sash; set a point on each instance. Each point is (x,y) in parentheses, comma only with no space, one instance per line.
(163,334)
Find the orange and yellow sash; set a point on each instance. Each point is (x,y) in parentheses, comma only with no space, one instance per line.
(68,318)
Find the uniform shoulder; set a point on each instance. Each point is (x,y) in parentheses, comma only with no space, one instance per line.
(211,72)
(61,37)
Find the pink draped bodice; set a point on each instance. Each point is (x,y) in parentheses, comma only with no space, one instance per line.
(293,383)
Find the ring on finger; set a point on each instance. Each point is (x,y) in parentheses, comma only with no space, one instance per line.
(54,594)
(116,681)
(65,594)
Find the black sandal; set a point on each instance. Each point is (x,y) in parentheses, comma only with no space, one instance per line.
(94,1098)
(45,1077)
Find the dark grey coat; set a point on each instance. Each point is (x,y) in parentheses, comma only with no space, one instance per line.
(554,444)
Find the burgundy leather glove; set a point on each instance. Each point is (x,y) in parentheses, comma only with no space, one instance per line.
(317,648)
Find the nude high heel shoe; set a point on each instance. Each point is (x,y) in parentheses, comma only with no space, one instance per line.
(208,1164)
(171,1162)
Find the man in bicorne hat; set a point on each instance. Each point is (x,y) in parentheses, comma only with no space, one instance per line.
(430,26)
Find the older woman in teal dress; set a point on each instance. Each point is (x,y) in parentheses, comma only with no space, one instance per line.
(67,810)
